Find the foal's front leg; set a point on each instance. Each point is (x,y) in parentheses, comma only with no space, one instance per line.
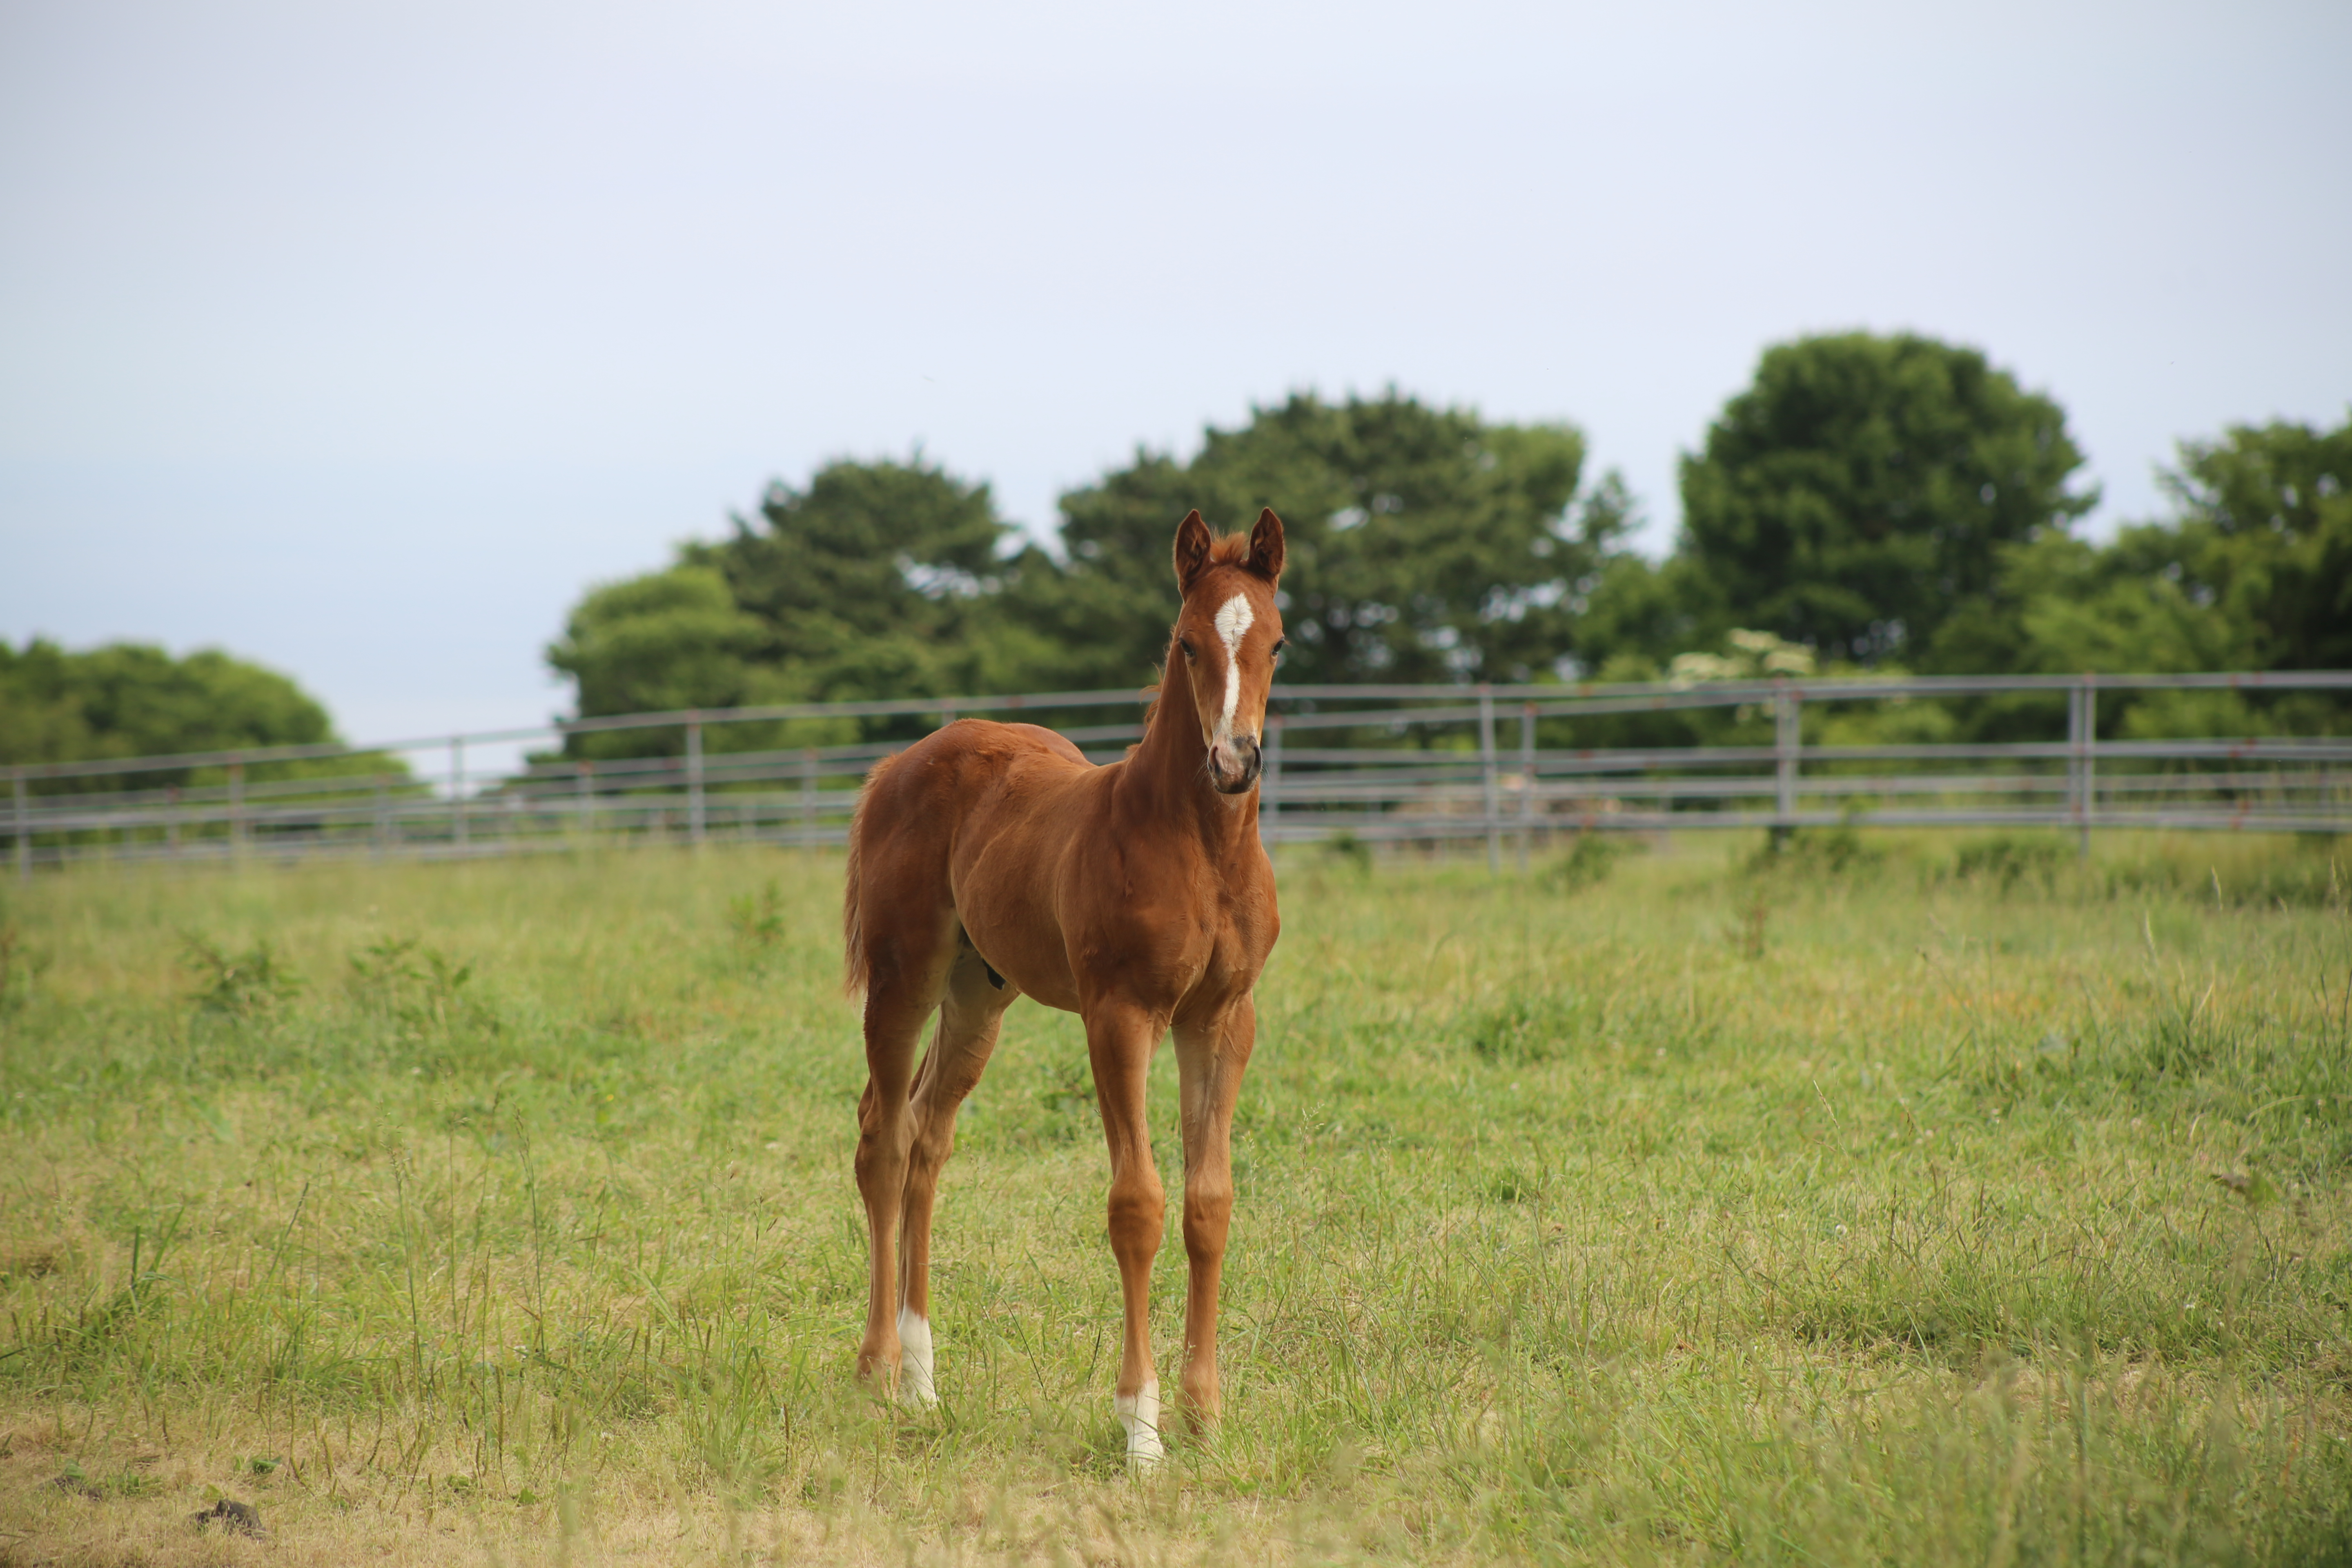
(1210,1060)
(1119,1041)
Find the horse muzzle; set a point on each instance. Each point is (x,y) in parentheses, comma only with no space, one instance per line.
(1233,763)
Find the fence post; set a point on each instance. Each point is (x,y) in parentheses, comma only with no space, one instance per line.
(172,820)
(458,791)
(583,792)
(2090,758)
(1269,789)
(694,819)
(2082,724)
(808,798)
(381,833)
(2074,758)
(1787,744)
(1527,783)
(23,827)
(236,812)
(1492,780)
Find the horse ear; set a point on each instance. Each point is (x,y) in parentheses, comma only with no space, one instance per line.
(1191,550)
(1265,546)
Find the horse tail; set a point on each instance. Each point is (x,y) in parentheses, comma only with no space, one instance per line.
(853,923)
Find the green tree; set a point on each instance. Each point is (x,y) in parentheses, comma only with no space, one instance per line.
(1425,545)
(867,582)
(2264,534)
(2062,606)
(664,640)
(1863,487)
(2253,571)
(133,699)
(1641,613)
(870,583)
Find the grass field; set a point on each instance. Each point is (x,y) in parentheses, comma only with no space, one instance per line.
(1917,1201)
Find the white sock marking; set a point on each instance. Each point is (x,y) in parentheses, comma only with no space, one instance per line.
(914,1385)
(1234,620)
(1140,1414)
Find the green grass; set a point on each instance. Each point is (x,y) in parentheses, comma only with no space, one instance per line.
(1912,1201)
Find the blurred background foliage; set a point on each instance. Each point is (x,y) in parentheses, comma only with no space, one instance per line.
(1885,503)
(130,700)
(1868,503)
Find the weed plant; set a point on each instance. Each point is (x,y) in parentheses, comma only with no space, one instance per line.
(1882,1201)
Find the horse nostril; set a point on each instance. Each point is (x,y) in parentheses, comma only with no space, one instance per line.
(1236,763)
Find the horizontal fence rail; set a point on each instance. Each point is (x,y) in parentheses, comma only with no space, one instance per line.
(1402,763)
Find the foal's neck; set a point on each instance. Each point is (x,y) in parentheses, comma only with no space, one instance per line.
(1170,770)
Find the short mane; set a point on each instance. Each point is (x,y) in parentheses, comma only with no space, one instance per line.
(1232,550)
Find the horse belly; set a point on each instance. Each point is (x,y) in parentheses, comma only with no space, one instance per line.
(1002,879)
(1035,968)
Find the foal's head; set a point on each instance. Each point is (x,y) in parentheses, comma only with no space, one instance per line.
(1227,635)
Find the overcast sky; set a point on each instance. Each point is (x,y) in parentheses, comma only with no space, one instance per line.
(359,339)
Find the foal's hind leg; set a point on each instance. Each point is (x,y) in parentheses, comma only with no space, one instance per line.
(905,976)
(969,1017)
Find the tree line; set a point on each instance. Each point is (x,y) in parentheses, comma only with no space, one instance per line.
(1873,503)
(133,699)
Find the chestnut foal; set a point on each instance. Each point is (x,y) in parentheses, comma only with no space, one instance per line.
(992,861)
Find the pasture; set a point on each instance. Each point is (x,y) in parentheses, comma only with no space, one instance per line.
(1917,1201)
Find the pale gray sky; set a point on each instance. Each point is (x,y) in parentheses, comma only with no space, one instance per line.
(359,339)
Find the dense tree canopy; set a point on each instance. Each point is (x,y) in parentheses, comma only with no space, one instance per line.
(869,583)
(2265,536)
(133,699)
(1881,501)
(2253,572)
(1426,544)
(863,585)
(1864,487)
(667,639)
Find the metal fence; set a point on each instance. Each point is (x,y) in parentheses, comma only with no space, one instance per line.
(1422,763)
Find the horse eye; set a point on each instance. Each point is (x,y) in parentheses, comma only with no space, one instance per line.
(1279,644)
(1186,644)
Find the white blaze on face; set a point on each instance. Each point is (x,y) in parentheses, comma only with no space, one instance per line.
(1234,620)
(914,1385)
